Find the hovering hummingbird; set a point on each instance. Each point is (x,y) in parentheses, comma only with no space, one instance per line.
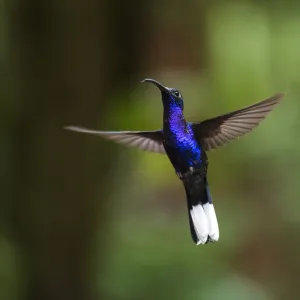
(186,144)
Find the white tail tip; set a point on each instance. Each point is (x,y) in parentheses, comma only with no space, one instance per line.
(200,223)
(213,227)
(205,223)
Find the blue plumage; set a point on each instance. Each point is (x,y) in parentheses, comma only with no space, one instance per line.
(180,142)
(185,144)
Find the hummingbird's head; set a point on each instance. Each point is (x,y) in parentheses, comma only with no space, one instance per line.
(170,96)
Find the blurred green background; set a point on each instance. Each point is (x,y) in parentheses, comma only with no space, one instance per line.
(84,218)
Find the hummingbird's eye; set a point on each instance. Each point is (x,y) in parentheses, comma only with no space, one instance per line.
(177,94)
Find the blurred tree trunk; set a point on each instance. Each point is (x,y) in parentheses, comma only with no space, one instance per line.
(69,56)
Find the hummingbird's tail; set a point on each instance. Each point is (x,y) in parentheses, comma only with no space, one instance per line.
(202,217)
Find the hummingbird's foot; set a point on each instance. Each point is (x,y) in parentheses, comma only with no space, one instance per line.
(179,175)
(189,172)
(191,169)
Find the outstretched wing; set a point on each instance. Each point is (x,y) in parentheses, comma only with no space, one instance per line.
(145,140)
(218,131)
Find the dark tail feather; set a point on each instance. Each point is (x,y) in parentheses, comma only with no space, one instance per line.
(192,228)
(202,218)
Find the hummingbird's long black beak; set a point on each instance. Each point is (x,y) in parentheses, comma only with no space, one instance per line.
(159,85)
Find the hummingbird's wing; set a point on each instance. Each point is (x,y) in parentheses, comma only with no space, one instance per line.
(145,140)
(216,132)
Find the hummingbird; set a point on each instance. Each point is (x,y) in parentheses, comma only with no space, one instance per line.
(186,144)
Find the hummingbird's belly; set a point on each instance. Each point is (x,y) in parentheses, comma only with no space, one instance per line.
(183,153)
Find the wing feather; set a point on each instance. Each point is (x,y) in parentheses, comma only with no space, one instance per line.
(151,141)
(218,131)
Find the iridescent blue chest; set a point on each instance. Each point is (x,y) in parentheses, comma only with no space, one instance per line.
(181,146)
